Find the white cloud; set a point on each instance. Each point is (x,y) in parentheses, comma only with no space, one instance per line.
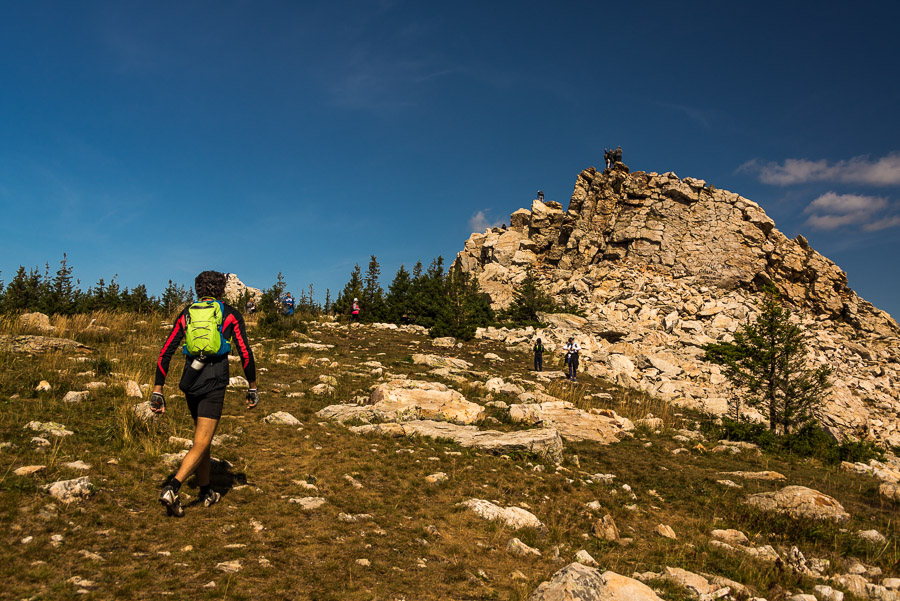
(831,211)
(846,203)
(884,171)
(480,222)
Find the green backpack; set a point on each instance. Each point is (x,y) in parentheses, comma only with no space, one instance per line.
(203,330)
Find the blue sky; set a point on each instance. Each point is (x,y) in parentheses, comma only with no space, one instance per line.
(155,140)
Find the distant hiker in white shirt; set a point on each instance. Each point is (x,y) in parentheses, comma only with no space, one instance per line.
(572,350)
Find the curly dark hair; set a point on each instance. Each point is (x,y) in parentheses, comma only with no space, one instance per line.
(210,284)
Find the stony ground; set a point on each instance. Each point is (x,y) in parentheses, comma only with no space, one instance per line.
(315,511)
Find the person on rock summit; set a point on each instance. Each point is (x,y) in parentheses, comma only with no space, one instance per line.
(207,326)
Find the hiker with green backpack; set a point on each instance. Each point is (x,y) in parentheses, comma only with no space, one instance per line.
(207,328)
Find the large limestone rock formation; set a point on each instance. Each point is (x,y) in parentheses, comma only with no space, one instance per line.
(664,265)
(235,289)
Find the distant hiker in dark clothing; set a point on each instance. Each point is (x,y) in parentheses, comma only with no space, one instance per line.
(208,328)
(251,307)
(540,195)
(538,356)
(572,350)
(617,154)
(607,156)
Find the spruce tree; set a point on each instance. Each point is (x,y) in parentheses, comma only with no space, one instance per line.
(60,297)
(464,308)
(24,292)
(328,303)
(767,364)
(271,298)
(372,294)
(397,301)
(528,300)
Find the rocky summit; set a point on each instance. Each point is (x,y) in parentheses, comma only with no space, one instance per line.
(662,266)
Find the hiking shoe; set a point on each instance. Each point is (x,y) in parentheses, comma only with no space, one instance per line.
(211,498)
(169,498)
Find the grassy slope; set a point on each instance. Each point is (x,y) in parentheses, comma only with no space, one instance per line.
(420,545)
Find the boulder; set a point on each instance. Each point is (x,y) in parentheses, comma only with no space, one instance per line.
(143,413)
(578,582)
(520,549)
(51,428)
(133,390)
(308,503)
(800,502)
(405,400)
(514,517)
(76,396)
(446,342)
(36,321)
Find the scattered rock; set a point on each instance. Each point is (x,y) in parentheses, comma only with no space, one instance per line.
(730,536)
(68,491)
(438,361)
(133,390)
(74,396)
(36,321)
(665,531)
(520,549)
(871,536)
(27,470)
(583,557)
(77,465)
(493,357)
(514,517)
(143,413)
(282,418)
(755,475)
(436,478)
(603,426)
(229,567)
(799,501)
(308,503)
(823,592)
(238,382)
(39,344)
(605,529)
(43,386)
(445,342)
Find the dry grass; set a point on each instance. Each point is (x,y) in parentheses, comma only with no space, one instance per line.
(420,544)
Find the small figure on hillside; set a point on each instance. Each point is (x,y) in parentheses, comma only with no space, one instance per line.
(287,304)
(251,306)
(540,195)
(208,328)
(617,154)
(538,356)
(572,350)
(354,311)
(607,156)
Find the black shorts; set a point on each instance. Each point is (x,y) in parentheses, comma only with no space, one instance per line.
(206,405)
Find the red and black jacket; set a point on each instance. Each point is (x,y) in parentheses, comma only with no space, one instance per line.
(215,374)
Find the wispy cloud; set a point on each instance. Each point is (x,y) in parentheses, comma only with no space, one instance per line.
(480,222)
(831,211)
(884,171)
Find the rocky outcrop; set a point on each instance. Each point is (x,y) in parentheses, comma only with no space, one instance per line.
(662,266)
(235,290)
(600,425)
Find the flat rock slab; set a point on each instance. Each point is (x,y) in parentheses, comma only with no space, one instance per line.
(39,344)
(545,442)
(514,517)
(307,346)
(51,428)
(27,470)
(578,582)
(755,475)
(407,400)
(68,491)
(572,423)
(439,361)
(800,502)
(308,503)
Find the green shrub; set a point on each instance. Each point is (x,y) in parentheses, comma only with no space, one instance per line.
(275,325)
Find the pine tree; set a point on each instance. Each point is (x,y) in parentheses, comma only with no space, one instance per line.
(767,364)
(372,294)
(60,297)
(24,291)
(428,298)
(397,301)
(328,303)
(465,308)
(528,299)
(174,298)
(138,301)
(271,298)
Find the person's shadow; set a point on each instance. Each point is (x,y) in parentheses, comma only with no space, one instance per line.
(222,479)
